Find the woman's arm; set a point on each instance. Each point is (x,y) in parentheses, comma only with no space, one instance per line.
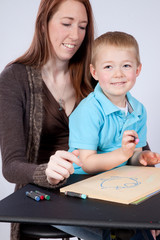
(14,127)
(14,131)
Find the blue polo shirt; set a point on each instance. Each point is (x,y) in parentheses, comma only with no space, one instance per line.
(98,124)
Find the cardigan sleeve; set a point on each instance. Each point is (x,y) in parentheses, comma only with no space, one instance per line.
(14,128)
(39,177)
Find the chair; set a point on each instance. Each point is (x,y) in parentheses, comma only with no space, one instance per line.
(43,231)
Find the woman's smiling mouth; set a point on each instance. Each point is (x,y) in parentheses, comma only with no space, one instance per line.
(69,46)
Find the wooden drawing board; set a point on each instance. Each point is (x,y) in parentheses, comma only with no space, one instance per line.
(125,184)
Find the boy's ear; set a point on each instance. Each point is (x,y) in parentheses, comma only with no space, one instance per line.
(93,72)
(138,70)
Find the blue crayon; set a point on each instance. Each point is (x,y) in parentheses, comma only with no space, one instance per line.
(47,197)
(33,196)
(74,194)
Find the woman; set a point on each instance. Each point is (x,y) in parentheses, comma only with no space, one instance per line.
(39,90)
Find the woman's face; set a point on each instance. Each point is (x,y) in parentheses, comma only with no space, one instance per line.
(67,29)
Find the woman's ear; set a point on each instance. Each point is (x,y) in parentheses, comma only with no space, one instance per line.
(93,72)
(138,70)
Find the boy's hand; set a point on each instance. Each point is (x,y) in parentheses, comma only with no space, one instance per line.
(149,158)
(129,142)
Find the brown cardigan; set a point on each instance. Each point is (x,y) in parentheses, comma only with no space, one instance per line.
(21,125)
(21,111)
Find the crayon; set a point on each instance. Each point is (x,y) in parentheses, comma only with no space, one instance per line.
(136,140)
(33,196)
(47,197)
(145,197)
(74,194)
(38,194)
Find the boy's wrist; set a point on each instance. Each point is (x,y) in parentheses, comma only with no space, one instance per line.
(125,154)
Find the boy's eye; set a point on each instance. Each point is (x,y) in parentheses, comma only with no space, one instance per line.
(127,66)
(108,67)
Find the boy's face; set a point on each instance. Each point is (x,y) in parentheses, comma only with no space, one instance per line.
(116,70)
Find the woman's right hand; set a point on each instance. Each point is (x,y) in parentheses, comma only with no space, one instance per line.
(60,166)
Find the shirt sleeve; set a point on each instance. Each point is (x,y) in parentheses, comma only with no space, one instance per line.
(84,126)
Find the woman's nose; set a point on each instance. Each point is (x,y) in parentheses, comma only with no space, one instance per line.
(74,34)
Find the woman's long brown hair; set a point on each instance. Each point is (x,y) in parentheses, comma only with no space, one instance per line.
(39,51)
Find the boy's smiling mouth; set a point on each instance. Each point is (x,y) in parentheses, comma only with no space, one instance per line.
(118,83)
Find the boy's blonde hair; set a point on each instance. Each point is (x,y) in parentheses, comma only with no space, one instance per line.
(117,39)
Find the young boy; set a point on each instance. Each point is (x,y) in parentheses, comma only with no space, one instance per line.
(109,126)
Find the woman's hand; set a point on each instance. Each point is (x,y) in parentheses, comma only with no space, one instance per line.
(60,166)
(149,158)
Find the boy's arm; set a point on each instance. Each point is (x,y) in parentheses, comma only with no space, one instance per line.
(94,163)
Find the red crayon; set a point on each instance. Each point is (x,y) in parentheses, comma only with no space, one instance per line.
(39,195)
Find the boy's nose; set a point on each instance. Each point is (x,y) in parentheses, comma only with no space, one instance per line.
(118,72)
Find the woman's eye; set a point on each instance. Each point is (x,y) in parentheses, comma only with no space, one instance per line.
(66,24)
(82,28)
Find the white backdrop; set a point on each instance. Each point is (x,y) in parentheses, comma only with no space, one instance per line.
(139,18)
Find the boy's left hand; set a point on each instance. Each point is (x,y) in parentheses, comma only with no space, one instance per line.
(149,158)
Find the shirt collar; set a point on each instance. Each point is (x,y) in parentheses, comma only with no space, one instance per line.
(106,104)
(109,107)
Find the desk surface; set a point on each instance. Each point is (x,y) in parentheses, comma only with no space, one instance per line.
(64,210)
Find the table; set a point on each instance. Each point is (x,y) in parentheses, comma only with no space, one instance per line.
(64,210)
